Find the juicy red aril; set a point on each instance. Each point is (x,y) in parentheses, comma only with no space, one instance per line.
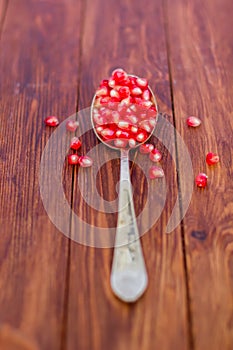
(114,93)
(212,158)
(201,180)
(85,161)
(120,76)
(123,124)
(75,143)
(72,125)
(107,133)
(141,136)
(104,82)
(155,172)
(146,95)
(124,91)
(104,100)
(193,121)
(146,148)
(102,91)
(142,83)
(155,155)
(73,159)
(121,134)
(51,121)
(136,91)
(152,112)
(111,83)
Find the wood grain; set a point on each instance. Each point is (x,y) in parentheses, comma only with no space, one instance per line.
(131,36)
(39,72)
(201,51)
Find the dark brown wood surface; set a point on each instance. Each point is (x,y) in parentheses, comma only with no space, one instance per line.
(54,292)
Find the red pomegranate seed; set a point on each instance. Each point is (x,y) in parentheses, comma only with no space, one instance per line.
(102,91)
(124,91)
(111,83)
(115,117)
(134,129)
(146,95)
(114,93)
(75,143)
(51,121)
(73,159)
(126,101)
(136,91)
(132,82)
(99,129)
(155,155)
(212,158)
(104,82)
(120,143)
(155,172)
(85,161)
(152,112)
(141,136)
(201,180)
(142,83)
(145,125)
(193,121)
(72,125)
(123,124)
(120,76)
(104,100)
(132,143)
(107,133)
(132,118)
(121,134)
(146,148)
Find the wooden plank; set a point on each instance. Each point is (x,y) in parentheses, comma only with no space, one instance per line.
(201,51)
(39,72)
(119,34)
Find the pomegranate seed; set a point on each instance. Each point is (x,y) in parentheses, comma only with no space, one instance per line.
(121,134)
(152,112)
(155,172)
(132,82)
(73,159)
(102,91)
(120,76)
(115,117)
(146,148)
(72,125)
(193,121)
(155,155)
(146,126)
(126,101)
(99,129)
(104,82)
(104,100)
(201,180)
(114,93)
(132,143)
(134,129)
(85,161)
(124,91)
(107,133)
(75,143)
(136,91)
(98,119)
(212,158)
(120,143)
(123,124)
(141,137)
(133,119)
(146,95)
(111,83)
(142,83)
(51,121)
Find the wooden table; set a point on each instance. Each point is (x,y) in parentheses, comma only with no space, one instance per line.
(55,293)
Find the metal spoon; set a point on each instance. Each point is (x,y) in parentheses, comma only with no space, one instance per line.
(129,277)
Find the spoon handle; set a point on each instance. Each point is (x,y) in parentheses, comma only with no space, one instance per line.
(128,276)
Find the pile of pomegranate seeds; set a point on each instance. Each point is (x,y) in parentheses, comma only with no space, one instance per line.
(124,112)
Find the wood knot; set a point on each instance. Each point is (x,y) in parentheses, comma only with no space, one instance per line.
(201,235)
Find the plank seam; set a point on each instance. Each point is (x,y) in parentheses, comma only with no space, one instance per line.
(67,288)
(188,297)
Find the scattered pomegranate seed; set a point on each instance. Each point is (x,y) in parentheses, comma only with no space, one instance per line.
(155,155)
(73,159)
(146,148)
(193,121)
(85,161)
(201,180)
(75,143)
(51,121)
(212,158)
(72,125)
(155,172)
